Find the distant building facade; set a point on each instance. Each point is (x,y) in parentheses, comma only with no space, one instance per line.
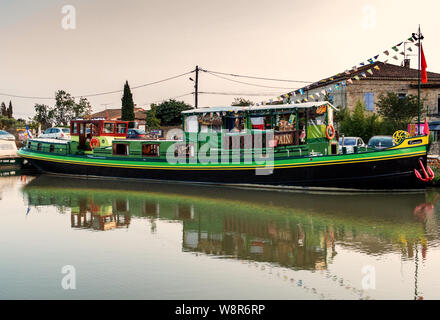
(401,80)
(140,115)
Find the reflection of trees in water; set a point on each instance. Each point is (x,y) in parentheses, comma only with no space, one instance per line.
(237,229)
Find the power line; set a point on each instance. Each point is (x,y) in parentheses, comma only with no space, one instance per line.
(253,77)
(247,83)
(176,97)
(99,94)
(267,94)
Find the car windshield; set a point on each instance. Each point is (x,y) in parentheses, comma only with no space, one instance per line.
(348,141)
(4,132)
(66,130)
(381,141)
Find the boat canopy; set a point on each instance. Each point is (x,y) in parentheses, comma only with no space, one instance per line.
(236,109)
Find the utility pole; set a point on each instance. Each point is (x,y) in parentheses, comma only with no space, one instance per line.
(196,88)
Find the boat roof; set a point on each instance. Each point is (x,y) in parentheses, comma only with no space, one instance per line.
(305,105)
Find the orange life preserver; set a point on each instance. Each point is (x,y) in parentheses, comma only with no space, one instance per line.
(94,143)
(327,132)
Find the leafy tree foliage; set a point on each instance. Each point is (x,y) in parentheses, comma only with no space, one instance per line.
(64,110)
(169,112)
(10,111)
(152,122)
(397,110)
(241,102)
(127,111)
(3,110)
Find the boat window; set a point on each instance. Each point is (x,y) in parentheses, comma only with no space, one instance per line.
(39,147)
(29,145)
(51,148)
(184,150)
(109,128)
(120,149)
(121,128)
(75,128)
(150,150)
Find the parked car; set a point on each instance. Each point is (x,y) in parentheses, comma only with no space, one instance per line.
(350,143)
(56,133)
(4,135)
(380,142)
(136,134)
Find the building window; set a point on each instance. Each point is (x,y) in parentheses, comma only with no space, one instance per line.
(438,104)
(369,101)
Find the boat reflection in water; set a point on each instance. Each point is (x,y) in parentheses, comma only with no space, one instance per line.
(293,230)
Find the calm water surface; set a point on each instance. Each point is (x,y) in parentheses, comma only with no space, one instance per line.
(129,240)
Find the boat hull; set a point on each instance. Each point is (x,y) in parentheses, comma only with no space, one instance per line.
(375,171)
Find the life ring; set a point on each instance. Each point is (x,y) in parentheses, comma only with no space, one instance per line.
(94,143)
(329,129)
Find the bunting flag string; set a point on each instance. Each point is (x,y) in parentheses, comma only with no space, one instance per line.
(356,72)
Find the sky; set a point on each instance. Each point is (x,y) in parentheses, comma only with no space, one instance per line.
(142,41)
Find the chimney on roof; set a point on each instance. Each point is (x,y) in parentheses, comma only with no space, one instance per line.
(407,63)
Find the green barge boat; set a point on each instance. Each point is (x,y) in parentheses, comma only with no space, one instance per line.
(287,146)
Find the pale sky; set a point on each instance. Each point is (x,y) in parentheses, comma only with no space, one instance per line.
(147,40)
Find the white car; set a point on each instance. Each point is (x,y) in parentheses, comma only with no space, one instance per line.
(56,133)
(349,143)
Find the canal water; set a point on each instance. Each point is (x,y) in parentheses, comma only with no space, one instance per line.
(64,238)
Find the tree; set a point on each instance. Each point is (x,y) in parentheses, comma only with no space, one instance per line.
(64,110)
(397,110)
(152,122)
(241,102)
(10,112)
(169,112)
(43,115)
(82,109)
(127,111)
(3,110)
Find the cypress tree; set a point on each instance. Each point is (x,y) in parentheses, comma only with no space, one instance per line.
(127,111)
(3,110)
(10,113)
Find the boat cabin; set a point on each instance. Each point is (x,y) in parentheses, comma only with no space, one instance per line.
(96,132)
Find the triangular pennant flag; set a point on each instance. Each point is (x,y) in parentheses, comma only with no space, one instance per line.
(395,58)
(399,44)
(350,81)
(306,100)
(301,91)
(363,74)
(416,44)
(375,57)
(402,53)
(370,61)
(370,71)
(395,48)
(386,61)
(347,72)
(409,49)
(387,52)
(411,39)
(376,67)
(298,101)
(362,64)
(355,68)
(356,78)
(323,92)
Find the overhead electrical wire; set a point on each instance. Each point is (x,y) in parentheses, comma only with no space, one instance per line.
(256,94)
(98,94)
(247,83)
(253,77)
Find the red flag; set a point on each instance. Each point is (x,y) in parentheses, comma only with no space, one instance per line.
(424,66)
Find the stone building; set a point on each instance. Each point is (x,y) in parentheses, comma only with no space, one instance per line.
(381,79)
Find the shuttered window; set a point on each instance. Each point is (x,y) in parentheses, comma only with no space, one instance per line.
(369,101)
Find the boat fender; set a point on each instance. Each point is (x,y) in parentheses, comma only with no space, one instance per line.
(330,132)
